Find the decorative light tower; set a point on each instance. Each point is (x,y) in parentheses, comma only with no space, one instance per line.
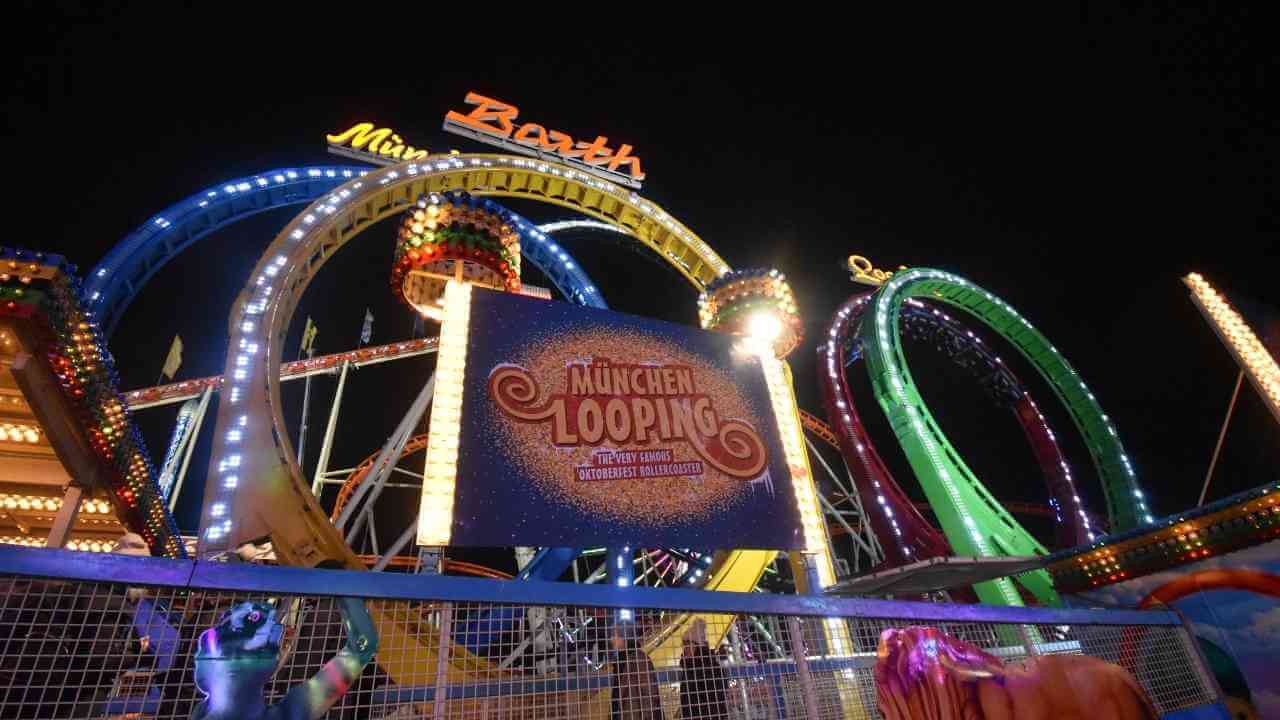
(756,304)
(452,236)
(759,306)
(448,243)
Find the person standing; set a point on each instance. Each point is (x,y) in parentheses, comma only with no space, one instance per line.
(635,685)
(703,687)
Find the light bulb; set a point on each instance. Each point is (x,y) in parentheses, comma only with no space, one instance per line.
(765,327)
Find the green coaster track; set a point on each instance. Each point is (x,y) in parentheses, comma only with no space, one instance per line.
(974,522)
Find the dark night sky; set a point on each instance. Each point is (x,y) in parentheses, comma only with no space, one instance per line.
(1075,164)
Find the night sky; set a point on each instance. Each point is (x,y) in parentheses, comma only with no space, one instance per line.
(1075,164)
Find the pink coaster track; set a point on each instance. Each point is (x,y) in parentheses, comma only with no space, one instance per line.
(905,534)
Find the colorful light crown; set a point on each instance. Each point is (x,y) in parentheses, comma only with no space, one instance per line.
(755,302)
(453,235)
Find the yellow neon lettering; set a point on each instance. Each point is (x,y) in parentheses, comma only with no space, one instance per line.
(862,271)
(374,140)
(359,135)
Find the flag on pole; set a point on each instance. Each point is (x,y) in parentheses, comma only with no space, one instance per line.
(308,335)
(367,331)
(174,361)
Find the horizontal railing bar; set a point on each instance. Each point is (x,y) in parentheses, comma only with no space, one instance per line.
(593,682)
(95,567)
(246,577)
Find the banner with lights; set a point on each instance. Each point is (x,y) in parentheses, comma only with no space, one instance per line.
(554,424)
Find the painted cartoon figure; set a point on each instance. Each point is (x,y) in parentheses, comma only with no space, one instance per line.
(924,674)
(235,659)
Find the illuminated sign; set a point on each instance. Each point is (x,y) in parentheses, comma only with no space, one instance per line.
(368,142)
(538,421)
(623,405)
(862,271)
(493,122)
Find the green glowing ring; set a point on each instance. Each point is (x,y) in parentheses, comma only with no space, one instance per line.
(974,521)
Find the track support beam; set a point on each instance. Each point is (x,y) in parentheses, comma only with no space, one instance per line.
(326,447)
(373,485)
(188,445)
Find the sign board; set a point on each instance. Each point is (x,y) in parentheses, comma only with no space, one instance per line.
(862,271)
(584,427)
(370,143)
(493,122)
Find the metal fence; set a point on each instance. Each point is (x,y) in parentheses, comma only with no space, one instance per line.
(92,636)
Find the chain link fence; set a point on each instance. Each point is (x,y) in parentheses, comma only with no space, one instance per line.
(97,648)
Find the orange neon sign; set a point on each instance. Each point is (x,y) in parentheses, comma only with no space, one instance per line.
(495,120)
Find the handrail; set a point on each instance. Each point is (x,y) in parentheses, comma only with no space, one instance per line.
(245,577)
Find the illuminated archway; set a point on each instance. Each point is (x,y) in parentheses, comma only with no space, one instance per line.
(263,456)
(121,274)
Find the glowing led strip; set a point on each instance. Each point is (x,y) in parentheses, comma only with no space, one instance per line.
(435,514)
(791,434)
(816,540)
(560,225)
(1249,351)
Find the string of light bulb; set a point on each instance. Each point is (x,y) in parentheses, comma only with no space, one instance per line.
(20,433)
(84,545)
(10,501)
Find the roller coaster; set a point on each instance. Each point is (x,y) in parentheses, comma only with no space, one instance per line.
(255,487)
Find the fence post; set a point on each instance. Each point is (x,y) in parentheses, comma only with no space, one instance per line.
(72,496)
(1028,641)
(739,658)
(442,663)
(1195,654)
(808,692)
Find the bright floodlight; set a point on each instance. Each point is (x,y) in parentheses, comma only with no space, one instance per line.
(756,305)
(765,327)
